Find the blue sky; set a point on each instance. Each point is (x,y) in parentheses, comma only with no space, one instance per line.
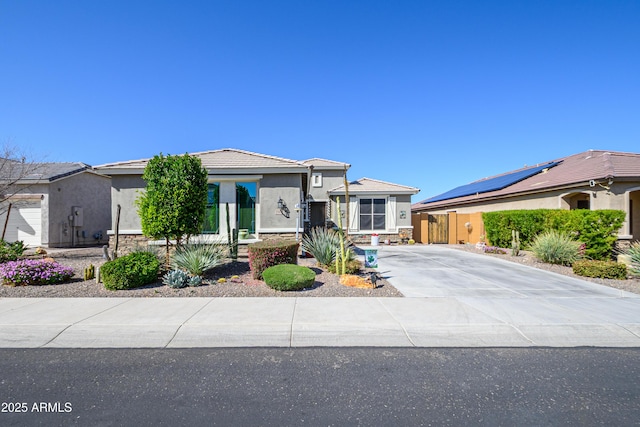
(431,94)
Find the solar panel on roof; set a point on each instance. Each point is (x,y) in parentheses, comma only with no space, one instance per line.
(491,184)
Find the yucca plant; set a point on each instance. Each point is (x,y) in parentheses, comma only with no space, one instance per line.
(322,243)
(634,253)
(555,247)
(198,258)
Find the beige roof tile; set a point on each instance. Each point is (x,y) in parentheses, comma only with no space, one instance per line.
(221,160)
(368,185)
(325,164)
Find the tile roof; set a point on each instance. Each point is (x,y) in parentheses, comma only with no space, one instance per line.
(34,172)
(572,171)
(326,164)
(226,160)
(368,185)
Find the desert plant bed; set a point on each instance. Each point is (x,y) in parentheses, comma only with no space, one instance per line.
(230,280)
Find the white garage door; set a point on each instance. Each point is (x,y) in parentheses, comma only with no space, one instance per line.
(25,223)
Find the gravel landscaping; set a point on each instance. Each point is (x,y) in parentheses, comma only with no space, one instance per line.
(326,284)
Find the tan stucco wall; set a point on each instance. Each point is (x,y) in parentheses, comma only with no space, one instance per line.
(126,189)
(330,179)
(88,191)
(273,187)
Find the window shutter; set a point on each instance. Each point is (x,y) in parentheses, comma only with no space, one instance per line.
(353,214)
(391,214)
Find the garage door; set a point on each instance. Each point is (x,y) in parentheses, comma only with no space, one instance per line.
(25,223)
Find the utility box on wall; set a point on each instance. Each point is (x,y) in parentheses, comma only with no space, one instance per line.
(78,216)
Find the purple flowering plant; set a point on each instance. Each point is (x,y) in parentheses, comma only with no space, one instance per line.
(34,272)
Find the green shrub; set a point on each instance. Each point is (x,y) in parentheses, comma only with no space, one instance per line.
(263,255)
(601,269)
(198,259)
(322,243)
(130,271)
(556,248)
(289,277)
(597,229)
(34,272)
(634,253)
(11,251)
(351,267)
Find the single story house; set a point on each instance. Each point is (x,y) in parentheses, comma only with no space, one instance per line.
(54,204)
(268,197)
(594,179)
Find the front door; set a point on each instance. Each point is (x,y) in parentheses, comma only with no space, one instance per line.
(317,214)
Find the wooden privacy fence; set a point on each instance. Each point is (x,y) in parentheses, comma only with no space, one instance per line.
(451,227)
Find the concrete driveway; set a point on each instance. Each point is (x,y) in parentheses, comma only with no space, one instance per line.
(545,308)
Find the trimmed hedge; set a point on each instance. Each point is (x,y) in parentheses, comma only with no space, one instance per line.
(263,255)
(600,269)
(289,277)
(597,229)
(130,271)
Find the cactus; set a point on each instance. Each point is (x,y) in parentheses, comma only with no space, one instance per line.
(232,238)
(515,242)
(89,272)
(342,255)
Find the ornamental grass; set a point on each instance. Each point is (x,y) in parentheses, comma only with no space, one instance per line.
(34,272)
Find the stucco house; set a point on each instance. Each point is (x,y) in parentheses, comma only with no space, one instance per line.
(268,197)
(54,204)
(594,179)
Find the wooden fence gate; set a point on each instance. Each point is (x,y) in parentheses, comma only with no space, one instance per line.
(438,228)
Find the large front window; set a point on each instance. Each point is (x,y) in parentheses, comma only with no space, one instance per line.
(372,214)
(246,202)
(212,214)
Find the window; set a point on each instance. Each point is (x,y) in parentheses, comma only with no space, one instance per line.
(316,179)
(211,213)
(582,204)
(372,214)
(246,204)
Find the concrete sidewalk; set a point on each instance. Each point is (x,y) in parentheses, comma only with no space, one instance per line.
(305,322)
(452,299)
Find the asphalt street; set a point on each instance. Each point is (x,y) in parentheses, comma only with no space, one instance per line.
(320,387)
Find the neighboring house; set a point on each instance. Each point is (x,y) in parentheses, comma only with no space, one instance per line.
(55,204)
(268,197)
(590,180)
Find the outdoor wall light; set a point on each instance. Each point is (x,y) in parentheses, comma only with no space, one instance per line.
(284,210)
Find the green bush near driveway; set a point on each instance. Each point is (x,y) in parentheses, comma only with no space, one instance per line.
(600,269)
(596,229)
(289,277)
(130,271)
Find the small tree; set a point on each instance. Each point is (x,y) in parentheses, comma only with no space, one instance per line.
(174,202)
(15,167)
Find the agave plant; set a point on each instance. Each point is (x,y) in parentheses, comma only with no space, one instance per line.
(634,253)
(199,258)
(322,243)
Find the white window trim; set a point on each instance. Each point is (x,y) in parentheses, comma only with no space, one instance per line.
(316,179)
(386,213)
